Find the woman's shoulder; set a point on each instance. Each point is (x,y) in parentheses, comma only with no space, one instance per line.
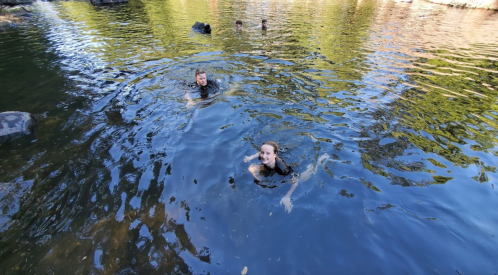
(281,160)
(280,163)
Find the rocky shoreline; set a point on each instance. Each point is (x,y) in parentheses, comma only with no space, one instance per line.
(472,4)
(10,14)
(29,2)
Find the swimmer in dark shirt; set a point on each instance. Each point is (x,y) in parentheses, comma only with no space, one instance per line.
(205,87)
(271,163)
(264,24)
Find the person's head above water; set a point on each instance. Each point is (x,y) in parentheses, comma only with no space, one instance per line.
(200,77)
(272,144)
(268,153)
(264,24)
(238,24)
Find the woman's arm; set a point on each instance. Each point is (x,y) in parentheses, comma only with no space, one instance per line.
(286,201)
(254,169)
(310,170)
(249,158)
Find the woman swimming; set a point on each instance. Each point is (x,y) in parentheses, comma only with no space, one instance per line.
(272,163)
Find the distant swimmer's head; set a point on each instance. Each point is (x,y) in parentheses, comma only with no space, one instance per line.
(200,77)
(268,153)
(238,24)
(264,24)
(207,28)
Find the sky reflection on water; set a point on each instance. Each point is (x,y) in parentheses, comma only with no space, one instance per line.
(120,177)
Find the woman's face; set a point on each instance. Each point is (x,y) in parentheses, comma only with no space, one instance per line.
(267,154)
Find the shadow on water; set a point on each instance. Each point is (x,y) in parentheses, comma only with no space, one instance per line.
(121,177)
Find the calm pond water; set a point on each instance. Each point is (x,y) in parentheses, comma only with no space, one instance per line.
(120,177)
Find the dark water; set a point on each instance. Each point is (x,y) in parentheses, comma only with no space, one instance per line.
(120,177)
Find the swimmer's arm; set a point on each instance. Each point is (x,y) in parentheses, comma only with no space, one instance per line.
(254,169)
(295,182)
(187,96)
(291,190)
(286,201)
(249,158)
(189,99)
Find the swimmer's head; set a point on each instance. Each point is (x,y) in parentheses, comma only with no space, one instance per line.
(238,24)
(199,71)
(272,144)
(268,153)
(200,77)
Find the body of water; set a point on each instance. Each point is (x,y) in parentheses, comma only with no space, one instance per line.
(121,177)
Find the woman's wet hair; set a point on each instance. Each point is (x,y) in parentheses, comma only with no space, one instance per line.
(272,144)
(238,22)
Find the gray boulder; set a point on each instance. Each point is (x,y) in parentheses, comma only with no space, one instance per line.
(13,15)
(15,124)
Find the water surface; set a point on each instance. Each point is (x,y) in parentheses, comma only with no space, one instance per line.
(121,177)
